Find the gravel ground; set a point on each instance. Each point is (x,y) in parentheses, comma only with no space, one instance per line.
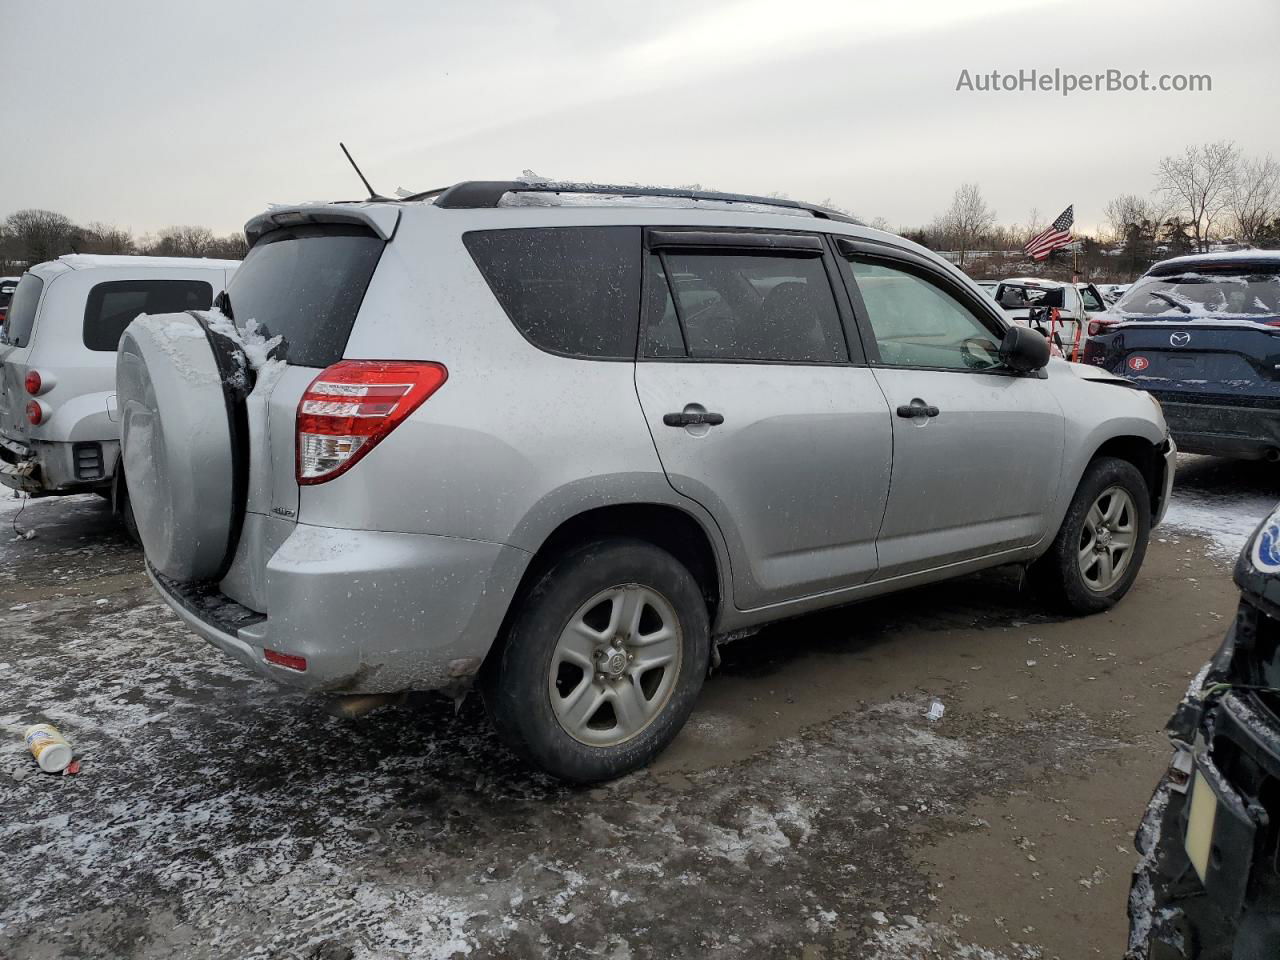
(810,809)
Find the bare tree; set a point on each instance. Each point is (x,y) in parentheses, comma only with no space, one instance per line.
(881,223)
(231,247)
(968,218)
(1199,184)
(1034,224)
(181,241)
(1255,200)
(1124,211)
(106,238)
(39,235)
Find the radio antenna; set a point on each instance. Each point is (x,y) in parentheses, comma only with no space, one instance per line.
(373,194)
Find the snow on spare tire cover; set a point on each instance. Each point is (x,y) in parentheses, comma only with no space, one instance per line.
(177,444)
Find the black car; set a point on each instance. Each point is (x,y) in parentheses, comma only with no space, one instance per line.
(1208,883)
(1202,335)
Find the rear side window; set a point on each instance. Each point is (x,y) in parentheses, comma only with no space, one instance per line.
(569,290)
(1091,301)
(21,316)
(112,306)
(742,307)
(306,284)
(6,293)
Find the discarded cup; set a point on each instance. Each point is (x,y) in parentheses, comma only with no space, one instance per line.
(936,710)
(49,747)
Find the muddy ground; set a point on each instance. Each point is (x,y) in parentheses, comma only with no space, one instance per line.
(809,810)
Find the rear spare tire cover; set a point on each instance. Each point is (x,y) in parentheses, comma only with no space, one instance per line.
(177,440)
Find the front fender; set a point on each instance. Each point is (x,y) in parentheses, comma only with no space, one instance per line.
(1099,412)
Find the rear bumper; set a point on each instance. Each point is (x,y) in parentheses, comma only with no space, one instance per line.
(44,467)
(370,612)
(1221,429)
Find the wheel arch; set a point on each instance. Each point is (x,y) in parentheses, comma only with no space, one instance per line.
(668,527)
(1148,457)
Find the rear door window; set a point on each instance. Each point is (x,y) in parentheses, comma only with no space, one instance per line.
(113,305)
(21,316)
(734,306)
(305,284)
(573,291)
(1091,301)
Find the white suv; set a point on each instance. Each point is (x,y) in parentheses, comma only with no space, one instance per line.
(59,432)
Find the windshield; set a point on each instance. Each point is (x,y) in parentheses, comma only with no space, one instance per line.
(1014,297)
(1218,295)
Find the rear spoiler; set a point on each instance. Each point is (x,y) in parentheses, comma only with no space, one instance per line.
(381,218)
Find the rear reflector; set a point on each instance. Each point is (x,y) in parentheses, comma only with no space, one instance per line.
(352,405)
(286,660)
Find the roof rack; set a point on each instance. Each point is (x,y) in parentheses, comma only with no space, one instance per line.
(475,194)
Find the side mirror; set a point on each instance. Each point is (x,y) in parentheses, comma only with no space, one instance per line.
(1023,349)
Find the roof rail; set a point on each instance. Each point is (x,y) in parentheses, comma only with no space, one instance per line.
(474,194)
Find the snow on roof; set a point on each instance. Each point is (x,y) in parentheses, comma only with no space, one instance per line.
(1034,282)
(83,261)
(1228,256)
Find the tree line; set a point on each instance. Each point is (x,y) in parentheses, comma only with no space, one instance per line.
(1208,193)
(28,237)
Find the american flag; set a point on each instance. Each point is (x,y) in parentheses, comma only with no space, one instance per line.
(1057,234)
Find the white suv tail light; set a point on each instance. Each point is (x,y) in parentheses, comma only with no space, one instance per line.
(354,404)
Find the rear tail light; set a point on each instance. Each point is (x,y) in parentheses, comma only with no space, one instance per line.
(352,405)
(1101,326)
(35,412)
(33,382)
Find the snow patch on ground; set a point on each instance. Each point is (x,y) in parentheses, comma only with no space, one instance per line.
(909,939)
(1226,525)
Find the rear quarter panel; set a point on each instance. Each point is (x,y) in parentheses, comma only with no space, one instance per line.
(517,440)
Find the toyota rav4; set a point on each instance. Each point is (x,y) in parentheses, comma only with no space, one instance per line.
(561,439)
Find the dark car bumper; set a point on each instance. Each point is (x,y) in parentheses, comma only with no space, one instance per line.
(1244,428)
(1208,883)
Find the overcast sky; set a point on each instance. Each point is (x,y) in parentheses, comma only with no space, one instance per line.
(144,114)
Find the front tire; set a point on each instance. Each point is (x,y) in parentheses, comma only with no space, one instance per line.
(1102,541)
(602,663)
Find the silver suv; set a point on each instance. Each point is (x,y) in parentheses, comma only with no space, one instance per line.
(560,439)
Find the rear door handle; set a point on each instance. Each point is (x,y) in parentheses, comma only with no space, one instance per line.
(692,419)
(918,408)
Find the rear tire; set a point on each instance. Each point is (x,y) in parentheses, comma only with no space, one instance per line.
(124,509)
(1102,541)
(568,699)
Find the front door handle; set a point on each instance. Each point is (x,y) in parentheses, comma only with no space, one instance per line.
(918,408)
(689,419)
